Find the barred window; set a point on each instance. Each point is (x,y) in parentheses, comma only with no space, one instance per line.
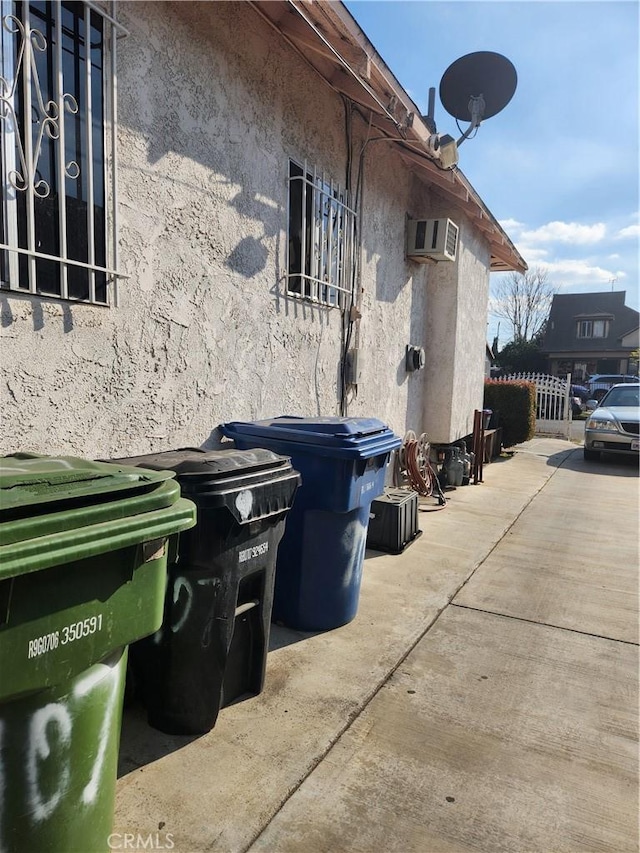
(57,118)
(321,238)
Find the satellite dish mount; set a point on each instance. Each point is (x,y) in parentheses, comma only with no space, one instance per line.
(473,88)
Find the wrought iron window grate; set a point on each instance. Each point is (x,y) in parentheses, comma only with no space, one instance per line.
(58,219)
(321,238)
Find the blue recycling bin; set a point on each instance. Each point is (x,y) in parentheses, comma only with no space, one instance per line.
(342,462)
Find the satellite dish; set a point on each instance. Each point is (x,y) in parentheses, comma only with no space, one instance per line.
(477,86)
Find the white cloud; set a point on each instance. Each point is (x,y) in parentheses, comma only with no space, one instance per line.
(581,271)
(581,257)
(511,224)
(629,231)
(532,254)
(567,232)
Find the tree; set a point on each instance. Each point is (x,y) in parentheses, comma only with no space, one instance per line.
(522,357)
(524,301)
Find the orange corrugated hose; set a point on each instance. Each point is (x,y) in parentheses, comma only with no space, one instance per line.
(414,467)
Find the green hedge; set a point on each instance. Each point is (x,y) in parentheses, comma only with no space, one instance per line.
(515,403)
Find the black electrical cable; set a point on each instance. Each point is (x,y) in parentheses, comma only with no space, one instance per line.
(348,318)
(348,321)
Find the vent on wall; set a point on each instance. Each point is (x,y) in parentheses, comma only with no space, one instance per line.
(432,239)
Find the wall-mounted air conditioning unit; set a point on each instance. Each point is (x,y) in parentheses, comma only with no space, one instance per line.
(432,239)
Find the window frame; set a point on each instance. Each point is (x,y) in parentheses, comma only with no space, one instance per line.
(585,328)
(25,268)
(319,265)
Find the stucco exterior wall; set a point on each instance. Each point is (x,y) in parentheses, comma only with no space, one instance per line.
(394,299)
(211,106)
(457,295)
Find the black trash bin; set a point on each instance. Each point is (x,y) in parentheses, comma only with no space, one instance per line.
(212,646)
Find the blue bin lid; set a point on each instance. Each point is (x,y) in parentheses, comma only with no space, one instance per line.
(362,437)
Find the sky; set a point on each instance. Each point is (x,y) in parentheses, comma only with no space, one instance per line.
(559,166)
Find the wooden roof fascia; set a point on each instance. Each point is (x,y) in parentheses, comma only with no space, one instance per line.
(506,259)
(317,27)
(441,177)
(378,102)
(496,265)
(340,20)
(305,13)
(340,80)
(294,26)
(504,256)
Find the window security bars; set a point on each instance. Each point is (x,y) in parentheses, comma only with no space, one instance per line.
(58,150)
(320,256)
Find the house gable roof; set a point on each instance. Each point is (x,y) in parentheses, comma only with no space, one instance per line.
(329,39)
(568,308)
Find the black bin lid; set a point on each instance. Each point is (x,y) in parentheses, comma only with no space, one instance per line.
(194,462)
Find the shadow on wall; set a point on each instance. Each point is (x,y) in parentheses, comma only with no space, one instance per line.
(250,255)
(248,258)
(6,314)
(203,125)
(221,140)
(7,317)
(389,284)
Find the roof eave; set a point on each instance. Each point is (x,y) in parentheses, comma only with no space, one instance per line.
(329,39)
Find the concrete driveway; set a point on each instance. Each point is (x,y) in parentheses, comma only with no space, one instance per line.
(484,699)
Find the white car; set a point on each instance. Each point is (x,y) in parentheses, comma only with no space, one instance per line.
(599,383)
(614,427)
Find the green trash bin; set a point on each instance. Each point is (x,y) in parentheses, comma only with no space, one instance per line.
(83,554)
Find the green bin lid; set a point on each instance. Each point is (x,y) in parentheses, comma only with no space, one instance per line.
(64,509)
(29,479)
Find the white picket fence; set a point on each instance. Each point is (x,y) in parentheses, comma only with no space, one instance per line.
(553,403)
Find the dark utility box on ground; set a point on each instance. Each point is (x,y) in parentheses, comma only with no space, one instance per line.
(393,521)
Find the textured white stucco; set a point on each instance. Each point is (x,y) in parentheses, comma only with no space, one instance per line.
(212,103)
(456,329)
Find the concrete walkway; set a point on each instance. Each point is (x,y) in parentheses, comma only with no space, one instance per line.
(484,699)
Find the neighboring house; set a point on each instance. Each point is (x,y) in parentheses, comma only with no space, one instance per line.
(589,333)
(221,235)
(489,358)
(632,341)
